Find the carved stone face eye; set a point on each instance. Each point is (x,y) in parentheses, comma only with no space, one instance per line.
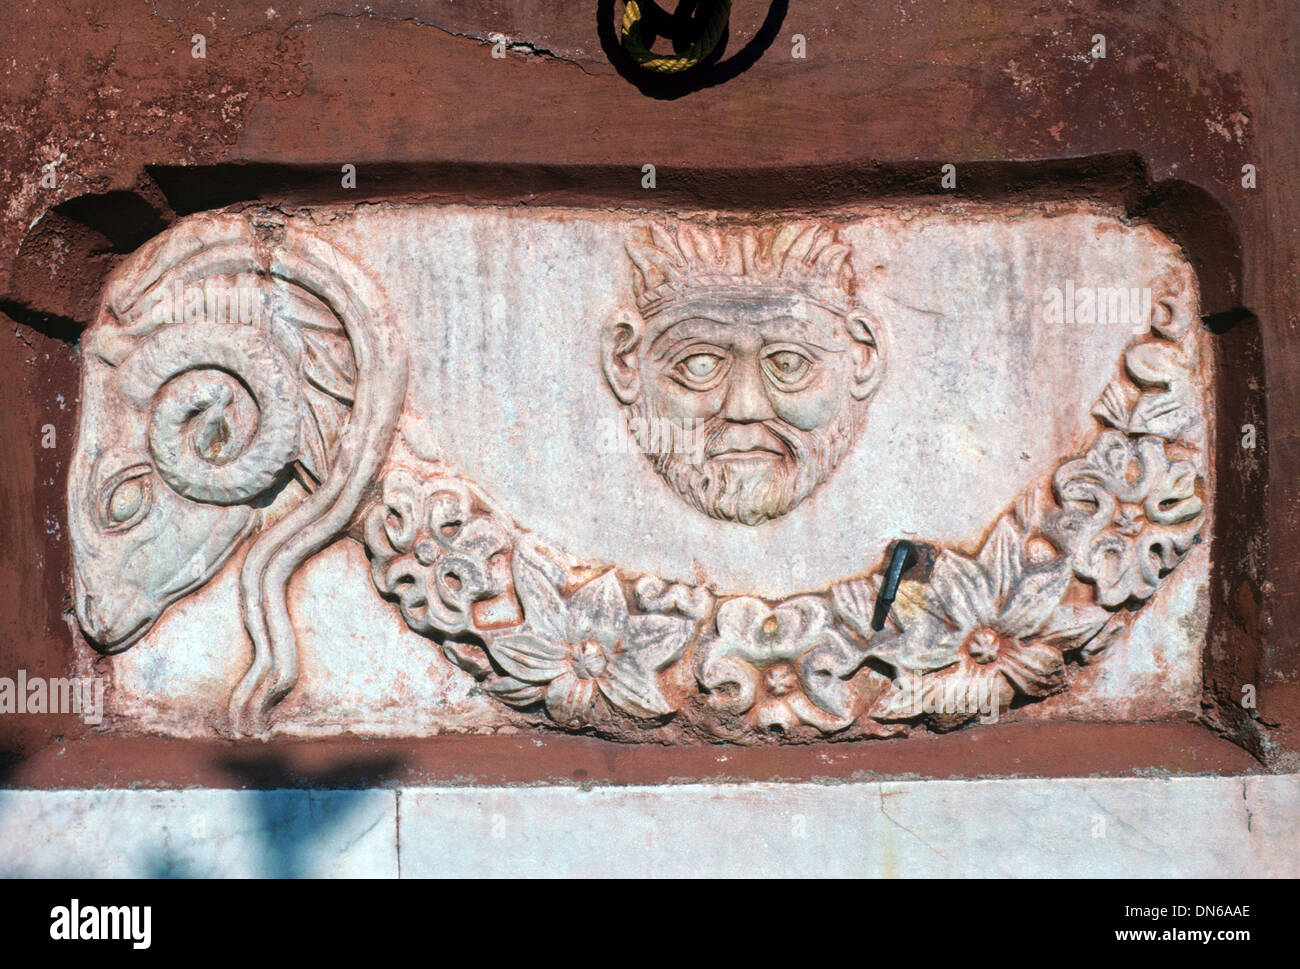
(701,365)
(126,498)
(787,368)
(699,368)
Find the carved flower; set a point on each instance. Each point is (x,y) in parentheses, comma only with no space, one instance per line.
(786,664)
(585,653)
(1129,515)
(433,553)
(993,625)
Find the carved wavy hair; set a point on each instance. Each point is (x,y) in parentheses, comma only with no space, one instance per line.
(807,258)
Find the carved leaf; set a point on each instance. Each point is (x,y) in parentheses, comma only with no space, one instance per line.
(963,588)
(529,658)
(1073,626)
(597,610)
(919,649)
(1035,598)
(1034,669)
(1116,405)
(927,642)
(470,658)
(513,692)
(1166,412)
(543,608)
(658,641)
(317,343)
(1001,558)
(570,700)
(855,603)
(633,688)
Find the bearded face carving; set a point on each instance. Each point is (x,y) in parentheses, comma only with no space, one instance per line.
(747,367)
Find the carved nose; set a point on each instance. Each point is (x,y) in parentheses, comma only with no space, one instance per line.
(113,625)
(99,624)
(746,401)
(88,616)
(84,607)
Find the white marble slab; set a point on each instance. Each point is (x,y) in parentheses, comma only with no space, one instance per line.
(197,833)
(1212,827)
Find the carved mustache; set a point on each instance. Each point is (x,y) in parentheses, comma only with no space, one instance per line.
(774,436)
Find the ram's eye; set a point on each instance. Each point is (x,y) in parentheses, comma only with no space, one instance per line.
(126,501)
(787,366)
(126,498)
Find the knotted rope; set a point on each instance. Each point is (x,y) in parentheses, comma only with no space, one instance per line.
(714,26)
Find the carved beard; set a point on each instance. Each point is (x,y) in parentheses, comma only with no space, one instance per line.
(742,493)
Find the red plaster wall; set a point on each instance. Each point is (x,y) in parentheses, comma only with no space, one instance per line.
(411,94)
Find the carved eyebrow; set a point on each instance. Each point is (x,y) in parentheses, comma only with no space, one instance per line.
(692,329)
(788,329)
(779,329)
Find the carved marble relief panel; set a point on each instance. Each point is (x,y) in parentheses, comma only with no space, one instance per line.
(410,469)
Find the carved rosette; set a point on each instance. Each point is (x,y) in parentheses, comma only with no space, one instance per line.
(777,668)
(436,551)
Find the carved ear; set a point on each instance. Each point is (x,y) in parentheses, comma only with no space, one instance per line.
(869,336)
(619,342)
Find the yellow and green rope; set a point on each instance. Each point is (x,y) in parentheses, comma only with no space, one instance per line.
(715,25)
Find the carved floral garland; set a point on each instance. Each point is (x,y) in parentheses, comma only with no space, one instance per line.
(590,648)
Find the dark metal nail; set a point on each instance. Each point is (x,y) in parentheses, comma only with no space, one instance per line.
(904,557)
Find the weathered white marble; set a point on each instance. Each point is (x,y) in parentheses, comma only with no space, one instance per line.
(366,470)
(358,659)
(981,398)
(1213,827)
(1160,828)
(197,833)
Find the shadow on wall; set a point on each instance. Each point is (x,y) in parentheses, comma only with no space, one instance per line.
(287,825)
(290,823)
(10,758)
(681,27)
